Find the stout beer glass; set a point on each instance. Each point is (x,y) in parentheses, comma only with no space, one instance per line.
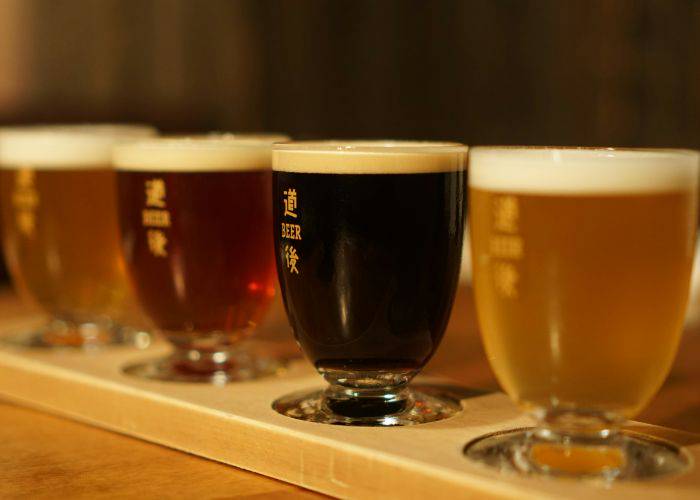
(368,238)
(60,232)
(195,219)
(582,260)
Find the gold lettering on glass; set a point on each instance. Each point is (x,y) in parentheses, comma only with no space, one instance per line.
(155,193)
(290,203)
(505,214)
(157,242)
(506,277)
(291,231)
(506,246)
(156,217)
(25,200)
(291,256)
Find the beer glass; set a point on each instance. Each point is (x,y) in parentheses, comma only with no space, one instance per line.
(368,238)
(581,261)
(195,220)
(60,235)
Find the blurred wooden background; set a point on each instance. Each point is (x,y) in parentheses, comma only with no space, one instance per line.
(593,72)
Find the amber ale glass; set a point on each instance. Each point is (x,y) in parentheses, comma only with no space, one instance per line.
(368,238)
(195,219)
(582,261)
(60,235)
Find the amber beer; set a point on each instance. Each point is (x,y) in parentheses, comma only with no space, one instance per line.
(60,235)
(195,218)
(581,262)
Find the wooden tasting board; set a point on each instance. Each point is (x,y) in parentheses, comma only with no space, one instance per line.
(236,425)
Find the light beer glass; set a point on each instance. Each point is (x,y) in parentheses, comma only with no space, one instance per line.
(60,235)
(368,238)
(195,218)
(581,262)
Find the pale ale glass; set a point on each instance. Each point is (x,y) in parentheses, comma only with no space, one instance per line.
(60,235)
(582,261)
(195,218)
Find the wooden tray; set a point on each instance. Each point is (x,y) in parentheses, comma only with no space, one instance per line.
(236,425)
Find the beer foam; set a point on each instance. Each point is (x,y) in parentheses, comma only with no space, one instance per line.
(582,170)
(369,157)
(263,136)
(65,146)
(205,153)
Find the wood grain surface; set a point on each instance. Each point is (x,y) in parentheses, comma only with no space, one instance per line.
(45,456)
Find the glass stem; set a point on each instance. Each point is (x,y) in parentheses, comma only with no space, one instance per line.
(72,332)
(203,355)
(576,442)
(367,401)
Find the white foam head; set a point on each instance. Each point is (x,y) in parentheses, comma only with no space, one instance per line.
(204,153)
(582,170)
(65,146)
(369,157)
(264,136)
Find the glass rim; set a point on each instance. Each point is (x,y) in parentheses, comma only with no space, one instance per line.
(583,169)
(271,137)
(197,143)
(66,146)
(370,146)
(61,131)
(586,151)
(193,154)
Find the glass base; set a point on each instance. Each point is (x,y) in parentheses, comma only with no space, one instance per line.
(631,456)
(208,368)
(86,336)
(422,404)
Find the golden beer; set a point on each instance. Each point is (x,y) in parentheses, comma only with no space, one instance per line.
(59,222)
(582,261)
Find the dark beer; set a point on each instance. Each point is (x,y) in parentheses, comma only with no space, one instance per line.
(378,255)
(369,240)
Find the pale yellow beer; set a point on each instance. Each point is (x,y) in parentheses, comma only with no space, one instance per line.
(582,260)
(59,222)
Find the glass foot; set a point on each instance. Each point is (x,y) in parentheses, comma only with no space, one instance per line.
(632,456)
(235,367)
(424,404)
(85,336)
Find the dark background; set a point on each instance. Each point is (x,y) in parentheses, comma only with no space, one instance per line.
(569,72)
